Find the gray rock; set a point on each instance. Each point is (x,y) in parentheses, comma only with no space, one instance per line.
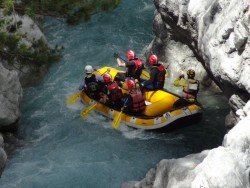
(246,110)
(30,28)
(1,141)
(225,166)
(129,184)
(31,33)
(236,102)
(3,159)
(10,96)
(173,172)
(3,155)
(231,120)
(26,72)
(11,78)
(241,36)
(147,182)
(230,44)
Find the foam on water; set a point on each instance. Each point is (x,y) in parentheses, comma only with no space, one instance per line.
(63,150)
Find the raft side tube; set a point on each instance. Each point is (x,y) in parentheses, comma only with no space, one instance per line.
(141,122)
(161,102)
(112,71)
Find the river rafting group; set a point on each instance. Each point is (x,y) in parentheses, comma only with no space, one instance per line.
(136,96)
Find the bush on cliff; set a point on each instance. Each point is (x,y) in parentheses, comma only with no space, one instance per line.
(15,47)
(12,45)
(12,49)
(73,11)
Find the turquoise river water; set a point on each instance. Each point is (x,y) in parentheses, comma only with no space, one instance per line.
(63,150)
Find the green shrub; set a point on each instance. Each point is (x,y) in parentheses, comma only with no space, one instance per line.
(73,11)
(13,50)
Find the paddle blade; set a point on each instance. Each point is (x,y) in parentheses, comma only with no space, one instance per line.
(85,113)
(73,98)
(117,120)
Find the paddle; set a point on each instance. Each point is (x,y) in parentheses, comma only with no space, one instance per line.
(73,98)
(117,119)
(122,58)
(85,112)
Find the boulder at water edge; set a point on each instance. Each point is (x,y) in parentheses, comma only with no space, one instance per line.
(10,96)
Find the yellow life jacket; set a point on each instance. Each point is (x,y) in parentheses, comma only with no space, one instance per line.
(192,86)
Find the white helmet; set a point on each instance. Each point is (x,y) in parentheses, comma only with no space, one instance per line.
(88,69)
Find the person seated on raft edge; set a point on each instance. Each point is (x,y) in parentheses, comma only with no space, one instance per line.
(91,84)
(111,94)
(190,85)
(134,100)
(157,75)
(134,66)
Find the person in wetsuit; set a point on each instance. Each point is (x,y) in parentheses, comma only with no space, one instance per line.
(157,75)
(190,85)
(134,100)
(91,84)
(112,93)
(133,64)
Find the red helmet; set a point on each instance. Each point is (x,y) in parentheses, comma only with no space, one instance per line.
(131,84)
(138,64)
(106,78)
(130,54)
(152,59)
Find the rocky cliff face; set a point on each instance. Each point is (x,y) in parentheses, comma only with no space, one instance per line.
(31,32)
(217,34)
(10,96)
(3,156)
(225,166)
(12,76)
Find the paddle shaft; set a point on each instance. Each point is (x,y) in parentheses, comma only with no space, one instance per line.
(117,119)
(85,113)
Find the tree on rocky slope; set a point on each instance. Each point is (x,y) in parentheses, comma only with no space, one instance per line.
(14,47)
(73,11)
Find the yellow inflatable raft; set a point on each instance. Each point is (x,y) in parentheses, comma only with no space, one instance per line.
(162,107)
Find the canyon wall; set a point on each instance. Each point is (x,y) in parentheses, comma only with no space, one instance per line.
(215,34)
